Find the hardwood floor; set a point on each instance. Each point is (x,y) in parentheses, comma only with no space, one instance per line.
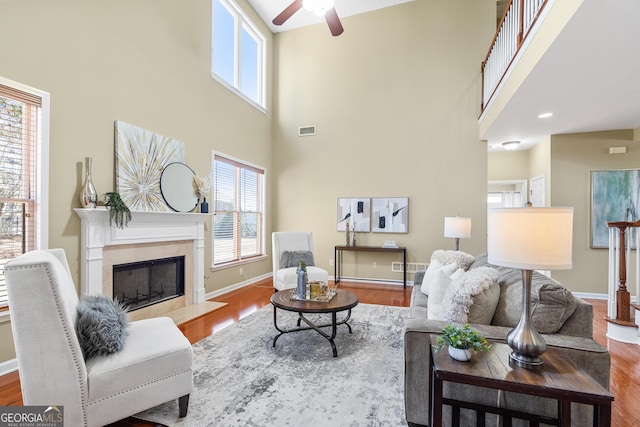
(625,358)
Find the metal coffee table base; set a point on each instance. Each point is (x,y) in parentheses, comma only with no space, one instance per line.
(334,327)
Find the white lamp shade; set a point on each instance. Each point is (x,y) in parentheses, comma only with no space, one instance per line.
(530,238)
(457,227)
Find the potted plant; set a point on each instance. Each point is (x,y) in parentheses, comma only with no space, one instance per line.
(461,341)
(118,210)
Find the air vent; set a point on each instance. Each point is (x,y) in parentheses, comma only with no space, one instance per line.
(307,130)
(412,267)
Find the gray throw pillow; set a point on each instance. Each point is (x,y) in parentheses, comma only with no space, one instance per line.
(101,325)
(291,258)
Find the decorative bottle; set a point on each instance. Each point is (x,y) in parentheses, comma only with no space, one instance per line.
(301,289)
(204,206)
(88,195)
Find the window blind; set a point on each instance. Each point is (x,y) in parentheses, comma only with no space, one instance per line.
(238,193)
(19,128)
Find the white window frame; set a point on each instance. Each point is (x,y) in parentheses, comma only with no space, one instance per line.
(253,258)
(242,21)
(42,171)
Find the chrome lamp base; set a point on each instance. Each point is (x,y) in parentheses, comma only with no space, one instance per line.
(526,342)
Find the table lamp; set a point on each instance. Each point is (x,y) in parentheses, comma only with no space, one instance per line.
(529,239)
(457,228)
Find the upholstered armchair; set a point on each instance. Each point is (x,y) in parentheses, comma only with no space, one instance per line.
(287,248)
(153,367)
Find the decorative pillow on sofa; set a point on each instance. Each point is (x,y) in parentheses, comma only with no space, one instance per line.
(463,260)
(291,258)
(432,273)
(465,297)
(552,304)
(440,285)
(101,325)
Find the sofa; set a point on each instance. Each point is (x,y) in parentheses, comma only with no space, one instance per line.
(564,320)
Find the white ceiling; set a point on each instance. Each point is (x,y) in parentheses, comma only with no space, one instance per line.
(589,78)
(269,9)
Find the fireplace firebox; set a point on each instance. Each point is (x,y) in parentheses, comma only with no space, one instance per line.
(144,283)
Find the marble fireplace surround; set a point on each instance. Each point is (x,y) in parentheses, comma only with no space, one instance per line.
(149,235)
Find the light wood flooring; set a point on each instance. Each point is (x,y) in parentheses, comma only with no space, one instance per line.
(625,358)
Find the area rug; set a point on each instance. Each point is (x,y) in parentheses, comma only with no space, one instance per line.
(241,380)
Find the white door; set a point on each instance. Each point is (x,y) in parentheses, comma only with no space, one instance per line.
(537,194)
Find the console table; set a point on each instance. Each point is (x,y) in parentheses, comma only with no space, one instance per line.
(337,258)
(558,379)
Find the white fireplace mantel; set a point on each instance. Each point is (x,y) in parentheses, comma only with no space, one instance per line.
(144,227)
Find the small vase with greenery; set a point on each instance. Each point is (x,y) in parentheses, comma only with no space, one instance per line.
(462,338)
(118,210)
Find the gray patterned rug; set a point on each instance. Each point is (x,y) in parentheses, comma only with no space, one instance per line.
(241,380)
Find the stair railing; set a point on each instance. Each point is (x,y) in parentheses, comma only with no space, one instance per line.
(623,237)
(517,21)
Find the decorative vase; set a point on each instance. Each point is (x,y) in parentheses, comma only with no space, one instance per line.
(88,195)
(347,235)
(460,354)
(301,289)
(204,206)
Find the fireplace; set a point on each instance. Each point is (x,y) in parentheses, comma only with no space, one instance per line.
(144,283)
(150,235)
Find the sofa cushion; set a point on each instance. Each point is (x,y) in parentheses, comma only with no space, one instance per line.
(464,297)
(101,325)
(291,258)
(463,260)
(432,273)
(552,304)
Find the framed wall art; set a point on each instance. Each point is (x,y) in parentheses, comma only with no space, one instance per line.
(615,196)
(356,212)
(141,156)
(390,215)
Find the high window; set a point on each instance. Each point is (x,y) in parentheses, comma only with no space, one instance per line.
(23,152)
(238,57)
(238,208)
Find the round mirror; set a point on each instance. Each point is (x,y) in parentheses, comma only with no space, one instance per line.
(176,186)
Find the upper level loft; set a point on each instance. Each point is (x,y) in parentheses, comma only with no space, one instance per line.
(576,59)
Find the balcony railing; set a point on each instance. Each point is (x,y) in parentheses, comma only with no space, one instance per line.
(516,23)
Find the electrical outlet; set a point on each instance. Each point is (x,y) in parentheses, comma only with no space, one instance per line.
(241,271)
(374,265)
(331,261)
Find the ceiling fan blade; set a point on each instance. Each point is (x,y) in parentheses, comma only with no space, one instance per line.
(287,12)
(334,22)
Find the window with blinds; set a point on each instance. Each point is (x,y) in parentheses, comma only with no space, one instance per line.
(19,128)
(238,208)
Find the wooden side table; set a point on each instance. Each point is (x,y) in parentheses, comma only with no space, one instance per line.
(558,379)
(337,258)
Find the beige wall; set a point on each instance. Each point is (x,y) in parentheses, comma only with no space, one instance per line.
(508,165)
(540,164)
(146,62)
(573,157)
(395,100)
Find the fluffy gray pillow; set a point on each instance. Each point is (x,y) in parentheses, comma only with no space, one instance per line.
(101,325)
(291,258)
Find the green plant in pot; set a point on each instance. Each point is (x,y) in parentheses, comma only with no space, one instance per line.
(461,338)
(118,210)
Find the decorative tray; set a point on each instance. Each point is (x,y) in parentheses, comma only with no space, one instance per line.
(320,298)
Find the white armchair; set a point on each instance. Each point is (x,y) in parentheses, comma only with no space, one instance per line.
(289,241)
(153,367)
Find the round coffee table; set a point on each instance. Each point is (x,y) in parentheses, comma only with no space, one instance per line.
(343,300)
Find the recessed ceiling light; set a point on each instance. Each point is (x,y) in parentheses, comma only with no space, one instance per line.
(510,145)
(545,115)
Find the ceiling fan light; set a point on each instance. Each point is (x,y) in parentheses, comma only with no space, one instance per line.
(318,7)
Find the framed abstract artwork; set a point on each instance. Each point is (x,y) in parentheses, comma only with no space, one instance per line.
(141,156)
(356,212)
(390,215)
(615,196)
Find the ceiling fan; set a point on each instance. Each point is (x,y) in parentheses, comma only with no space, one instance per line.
(319,7)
